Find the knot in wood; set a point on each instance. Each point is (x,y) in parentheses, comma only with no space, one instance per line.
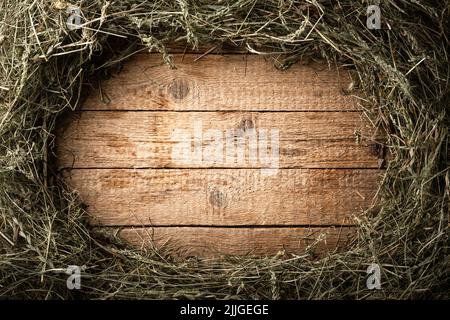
(179,88)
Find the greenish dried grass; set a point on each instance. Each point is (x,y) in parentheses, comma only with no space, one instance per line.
(404,77)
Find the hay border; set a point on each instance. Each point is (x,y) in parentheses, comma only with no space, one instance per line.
(403,70)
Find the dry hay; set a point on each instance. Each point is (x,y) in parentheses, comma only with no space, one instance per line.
(403,73)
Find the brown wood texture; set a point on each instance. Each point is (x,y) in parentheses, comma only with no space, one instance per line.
(222,83)
(210,242)
(119,155)
(146,139)
(172,197)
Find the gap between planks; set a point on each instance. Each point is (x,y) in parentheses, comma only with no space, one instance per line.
(244,226)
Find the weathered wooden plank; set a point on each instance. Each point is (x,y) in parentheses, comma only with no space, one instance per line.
(194,193)
(213,242)
(224,83)
(96,139)
(244,197)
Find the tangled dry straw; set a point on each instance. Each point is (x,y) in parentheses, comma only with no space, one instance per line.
(403,74)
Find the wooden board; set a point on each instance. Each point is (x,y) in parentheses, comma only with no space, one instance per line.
(212,242)
(147,139)
(175,197)
(119,156)
(222,83)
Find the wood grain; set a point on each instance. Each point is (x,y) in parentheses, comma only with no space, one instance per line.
(95,139)
(222,83)
(244,197)
(117,153)
(213,242)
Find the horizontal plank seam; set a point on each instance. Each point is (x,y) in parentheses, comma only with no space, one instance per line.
(219,110)
(218,168)
(258,226)
(190,52)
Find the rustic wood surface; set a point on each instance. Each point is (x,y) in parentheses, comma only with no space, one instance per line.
(224,197)
(210,242)
(222,83)
(144,139)
(116,152)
